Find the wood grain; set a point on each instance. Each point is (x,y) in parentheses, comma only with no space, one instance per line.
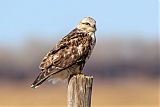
(80,91)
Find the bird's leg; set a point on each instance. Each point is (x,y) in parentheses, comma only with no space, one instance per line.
(71,73)
(69,77)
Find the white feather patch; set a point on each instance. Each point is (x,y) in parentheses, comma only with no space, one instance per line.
(57,80)
(80,47)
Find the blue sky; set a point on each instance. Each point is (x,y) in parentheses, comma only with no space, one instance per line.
(21,18)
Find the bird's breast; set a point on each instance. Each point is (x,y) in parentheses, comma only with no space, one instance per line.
(93,40)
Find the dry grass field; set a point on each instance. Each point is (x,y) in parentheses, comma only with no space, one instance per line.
(105,94)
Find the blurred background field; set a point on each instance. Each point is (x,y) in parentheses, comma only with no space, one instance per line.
(125,62)
(123,76)
(105,94)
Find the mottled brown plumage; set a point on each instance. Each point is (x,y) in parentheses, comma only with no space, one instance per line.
(70,54)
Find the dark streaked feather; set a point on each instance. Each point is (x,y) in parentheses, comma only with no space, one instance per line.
(60,57)
(72,49)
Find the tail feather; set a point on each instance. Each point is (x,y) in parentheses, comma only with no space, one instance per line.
(40,79)
(44,75)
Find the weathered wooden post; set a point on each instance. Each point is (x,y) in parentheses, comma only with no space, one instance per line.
(80,91)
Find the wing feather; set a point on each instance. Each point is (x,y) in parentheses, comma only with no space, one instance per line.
(73,48)
(70,49)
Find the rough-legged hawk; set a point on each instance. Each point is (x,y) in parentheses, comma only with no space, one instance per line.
(70,54)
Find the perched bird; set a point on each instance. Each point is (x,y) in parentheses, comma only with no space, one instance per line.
(70,54)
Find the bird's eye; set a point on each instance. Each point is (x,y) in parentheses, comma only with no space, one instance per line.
(87,24)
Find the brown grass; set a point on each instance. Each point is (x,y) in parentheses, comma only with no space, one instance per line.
(105,94)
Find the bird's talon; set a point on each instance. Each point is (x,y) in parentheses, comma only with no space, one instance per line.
(81,74)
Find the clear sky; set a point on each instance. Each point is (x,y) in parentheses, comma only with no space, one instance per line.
(20,18)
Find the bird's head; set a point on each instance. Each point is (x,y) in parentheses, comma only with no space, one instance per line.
(87,24)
